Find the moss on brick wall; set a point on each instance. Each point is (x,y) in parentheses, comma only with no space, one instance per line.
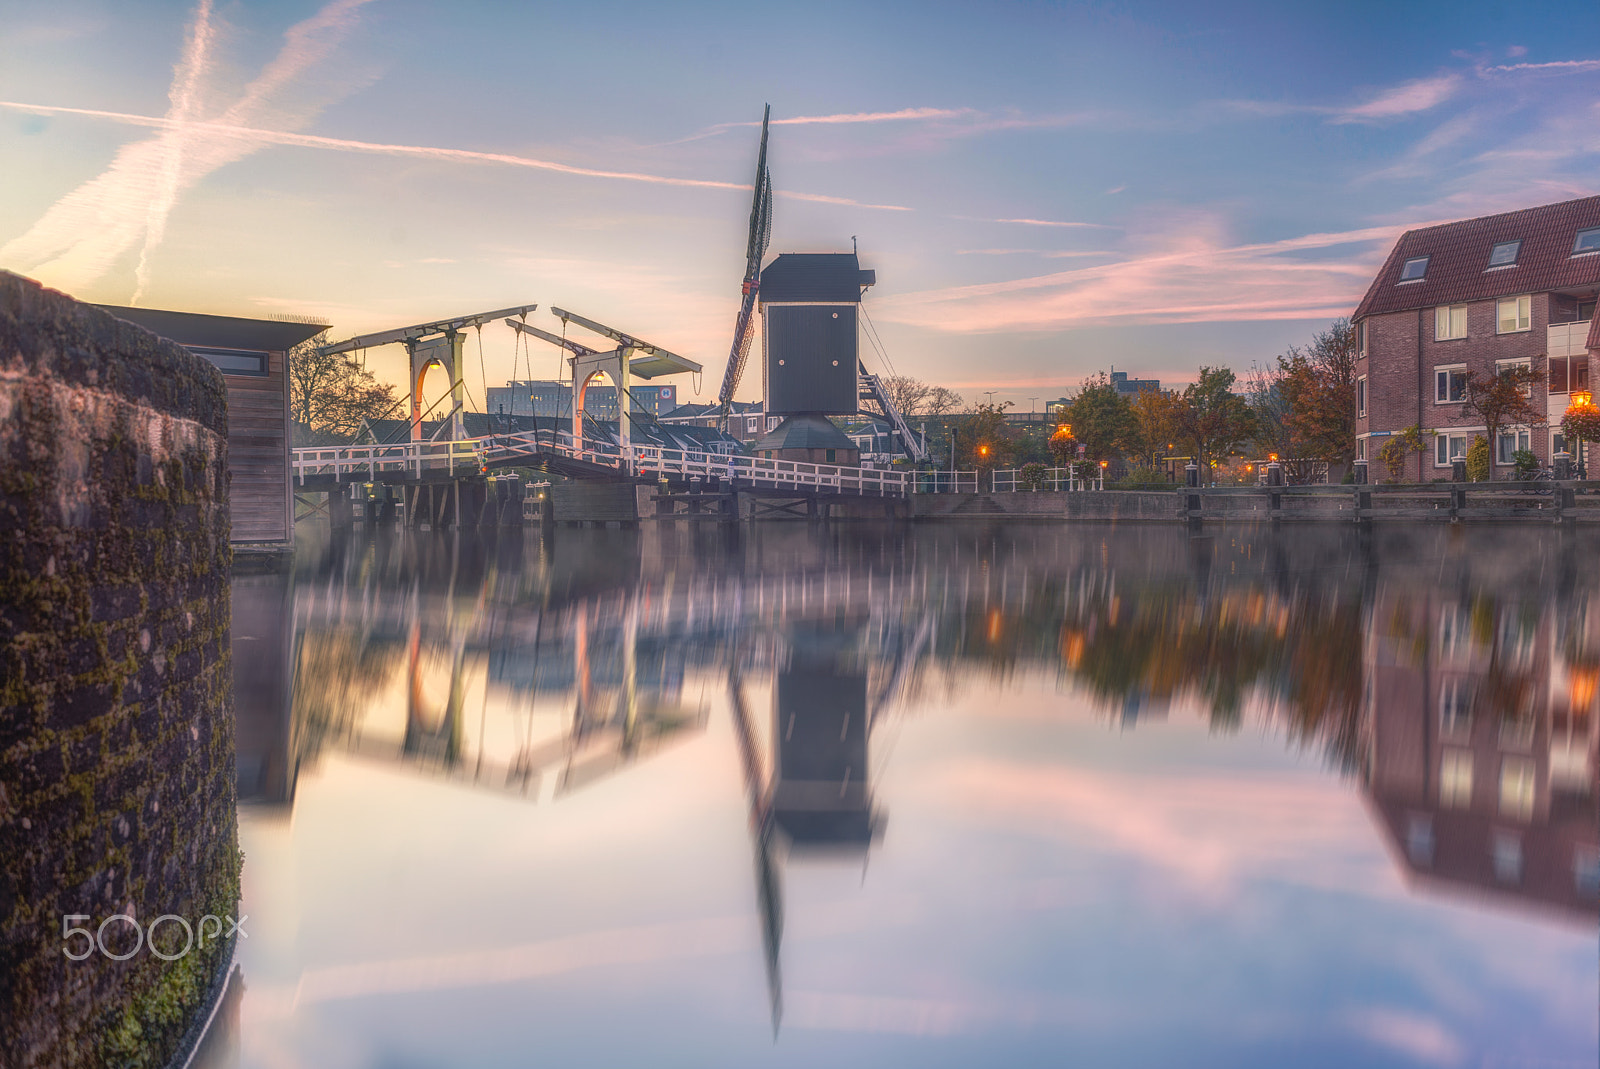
(116,719)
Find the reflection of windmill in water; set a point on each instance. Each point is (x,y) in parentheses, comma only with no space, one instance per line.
(817,799)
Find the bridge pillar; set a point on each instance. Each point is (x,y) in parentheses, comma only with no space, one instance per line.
(443,352)
(341,511)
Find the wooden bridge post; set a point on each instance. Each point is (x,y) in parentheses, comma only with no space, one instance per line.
(341,513)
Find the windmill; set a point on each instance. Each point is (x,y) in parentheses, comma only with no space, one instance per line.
(811,367)
(755,250)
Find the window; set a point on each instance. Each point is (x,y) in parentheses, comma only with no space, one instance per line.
(1455,708)
(1419,839)
(1505,254)
(1586,310)
(1361,449)
(1455,779)
(1514,314)
(1449,322)
(1556,376)
(1516,787)
(1417,267)
(1361,396)
(1507,854)
(1449,447)
(1449,384)
(1510,442)
(235,361)
(1361,336)
(1558,443)
(1586,241)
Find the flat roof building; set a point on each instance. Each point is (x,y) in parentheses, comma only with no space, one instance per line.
(252,355)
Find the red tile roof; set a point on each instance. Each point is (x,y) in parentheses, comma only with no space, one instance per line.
(1458,254)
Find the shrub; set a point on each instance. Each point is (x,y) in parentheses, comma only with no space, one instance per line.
(1525,465)
(1032,476)
(1478,460)
(1086,470)
(1145,479)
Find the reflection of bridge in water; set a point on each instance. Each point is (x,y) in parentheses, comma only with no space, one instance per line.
(540,666)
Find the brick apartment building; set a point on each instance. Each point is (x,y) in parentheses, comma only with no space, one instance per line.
(1478,295)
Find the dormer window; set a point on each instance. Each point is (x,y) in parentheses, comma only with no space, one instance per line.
(1414,270)
(1505,254)
(1586,241)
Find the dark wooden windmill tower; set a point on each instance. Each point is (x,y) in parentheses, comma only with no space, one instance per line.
(809,306)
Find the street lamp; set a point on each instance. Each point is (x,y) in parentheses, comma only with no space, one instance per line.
(990,395)
(1031,407)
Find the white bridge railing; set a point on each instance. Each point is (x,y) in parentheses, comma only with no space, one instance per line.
(414,458)
(1010,480)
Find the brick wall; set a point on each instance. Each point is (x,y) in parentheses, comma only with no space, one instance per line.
(116,718)
(1393,384)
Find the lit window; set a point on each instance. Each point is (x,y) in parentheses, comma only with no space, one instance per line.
(1514,314)
(1504,254)
(1361,396)
(1414,270)
(1587,241)
(1449,385)
(1516,787)
(1449,322)
(1455,779)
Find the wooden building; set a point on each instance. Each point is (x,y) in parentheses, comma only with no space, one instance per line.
(252,356)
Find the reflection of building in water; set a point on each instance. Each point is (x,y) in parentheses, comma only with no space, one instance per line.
(263,679)
(817,801)
(820,797)
(1481,745)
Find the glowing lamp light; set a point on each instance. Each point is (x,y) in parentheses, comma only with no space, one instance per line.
(983,450)
(1272,457)
(1104,463)
(1580,399)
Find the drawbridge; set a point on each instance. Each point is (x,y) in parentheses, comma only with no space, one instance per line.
(581,457)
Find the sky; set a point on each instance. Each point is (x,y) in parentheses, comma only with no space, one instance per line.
(1045,191)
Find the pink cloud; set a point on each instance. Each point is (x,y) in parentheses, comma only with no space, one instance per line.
(1421,95)
(1211,832)
(1195,277)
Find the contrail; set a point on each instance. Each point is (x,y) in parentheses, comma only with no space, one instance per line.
(86,232)
(258,135)
(185,90)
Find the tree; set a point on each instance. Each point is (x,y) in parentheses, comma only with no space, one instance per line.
(1155,413)
(1504,399)
(907,394)
(1213,421)
(1318,385)
(1580,423)
(1102,420)
(330,394)
(984,438)
(1397,448)
(1063,446)
(941,402)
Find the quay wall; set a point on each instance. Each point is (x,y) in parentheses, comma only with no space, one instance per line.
(116,716)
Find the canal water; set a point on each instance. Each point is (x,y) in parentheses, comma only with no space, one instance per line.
(861,795)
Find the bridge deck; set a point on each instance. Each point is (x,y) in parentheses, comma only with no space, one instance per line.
(327,467)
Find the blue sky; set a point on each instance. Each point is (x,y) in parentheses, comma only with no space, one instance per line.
(1044,190)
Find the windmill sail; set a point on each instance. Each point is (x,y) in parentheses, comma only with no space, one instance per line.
(755,250)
